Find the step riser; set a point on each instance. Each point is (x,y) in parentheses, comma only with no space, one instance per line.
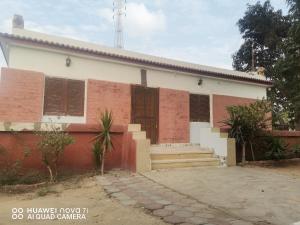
(139,135)
(183,165)
(181,156)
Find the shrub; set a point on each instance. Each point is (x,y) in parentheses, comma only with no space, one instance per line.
(97,152)
(246,122)
(52,144)
(275,147)
(103,140)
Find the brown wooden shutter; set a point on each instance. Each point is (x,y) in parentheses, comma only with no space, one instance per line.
(199,108)
(75,97)
(54,98)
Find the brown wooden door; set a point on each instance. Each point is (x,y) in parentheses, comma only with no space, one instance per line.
(144,110)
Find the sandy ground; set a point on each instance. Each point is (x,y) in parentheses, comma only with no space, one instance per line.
(258,194)
(84,193)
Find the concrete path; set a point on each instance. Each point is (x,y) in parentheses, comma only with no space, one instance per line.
(258,195)
(170,205)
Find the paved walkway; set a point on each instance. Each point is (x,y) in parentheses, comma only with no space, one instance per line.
(161,201)
(255,194)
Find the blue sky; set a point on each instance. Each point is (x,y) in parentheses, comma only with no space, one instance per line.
(199,31)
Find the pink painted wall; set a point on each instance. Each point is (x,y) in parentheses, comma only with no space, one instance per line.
(21,95)
(113,96)
(174,116)
(77,156)
(220,102)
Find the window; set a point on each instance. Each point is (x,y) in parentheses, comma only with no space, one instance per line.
(199,108)
(64,97)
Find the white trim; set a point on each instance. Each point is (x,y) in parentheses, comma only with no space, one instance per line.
(63,119)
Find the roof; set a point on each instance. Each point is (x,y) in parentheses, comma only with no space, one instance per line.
(54,42)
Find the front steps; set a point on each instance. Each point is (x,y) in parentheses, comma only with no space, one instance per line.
(167,156)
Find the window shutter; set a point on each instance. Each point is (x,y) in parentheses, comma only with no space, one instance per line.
(75,97)
(54,98)
(199,108)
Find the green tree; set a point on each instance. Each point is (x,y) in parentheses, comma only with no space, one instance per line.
(247,122)
(263,30)
(288,68)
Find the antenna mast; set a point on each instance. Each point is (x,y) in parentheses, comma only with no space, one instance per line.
(119,10)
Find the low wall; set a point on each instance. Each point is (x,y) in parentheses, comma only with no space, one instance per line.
(291,138)
(77,157)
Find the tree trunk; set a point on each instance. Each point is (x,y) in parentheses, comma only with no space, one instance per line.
(102,161)
(244,153)
(51,175)
(251,146)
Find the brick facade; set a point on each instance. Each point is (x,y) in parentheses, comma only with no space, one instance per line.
(220,102)
(113,96)
(21,95)
(174,116)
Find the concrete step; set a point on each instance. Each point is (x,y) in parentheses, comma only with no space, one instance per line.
(182,147)
(191,154)
(139,135)
(134,127)
(181,163)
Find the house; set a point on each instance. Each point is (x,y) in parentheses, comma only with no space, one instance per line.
(70,81)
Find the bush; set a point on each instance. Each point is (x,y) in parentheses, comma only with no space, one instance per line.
(275,148)
(246,122)
(97,151)
(53,142)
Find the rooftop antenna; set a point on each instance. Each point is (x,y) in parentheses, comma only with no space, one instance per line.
(119,9)
(253,57)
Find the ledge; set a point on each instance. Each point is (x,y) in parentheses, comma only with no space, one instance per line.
(72,128)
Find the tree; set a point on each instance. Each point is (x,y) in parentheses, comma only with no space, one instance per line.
(288,67)
(263,30)
(53,142)
(246,123)
(104,138)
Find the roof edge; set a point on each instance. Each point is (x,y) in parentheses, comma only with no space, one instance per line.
(134,60)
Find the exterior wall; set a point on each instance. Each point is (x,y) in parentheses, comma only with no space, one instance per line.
(52,63)
(220,102)
(83,68)
(21,95)
(76,157)
(103,95)
(174,124)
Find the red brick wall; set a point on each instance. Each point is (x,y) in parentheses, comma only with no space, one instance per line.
(220,102)
(174,116)
(113,96)
(21,95)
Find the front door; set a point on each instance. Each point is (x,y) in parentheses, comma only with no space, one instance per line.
(144,110)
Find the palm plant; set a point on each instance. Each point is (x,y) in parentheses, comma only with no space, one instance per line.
(246,123)
(104,138)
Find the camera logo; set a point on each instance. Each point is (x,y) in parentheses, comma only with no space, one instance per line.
(17,213)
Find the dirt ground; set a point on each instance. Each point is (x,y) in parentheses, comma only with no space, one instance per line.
(84,193)
(289,167)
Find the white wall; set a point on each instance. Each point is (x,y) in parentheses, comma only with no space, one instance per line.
(84,67)
(201,133)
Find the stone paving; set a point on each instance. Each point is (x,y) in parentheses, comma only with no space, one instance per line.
(172,207)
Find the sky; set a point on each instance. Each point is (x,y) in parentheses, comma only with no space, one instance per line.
(198,31)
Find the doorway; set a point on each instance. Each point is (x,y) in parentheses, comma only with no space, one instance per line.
(144,110)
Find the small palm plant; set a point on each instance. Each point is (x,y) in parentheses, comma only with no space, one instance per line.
(104,138)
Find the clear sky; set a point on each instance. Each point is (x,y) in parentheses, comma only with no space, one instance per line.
(199,31)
